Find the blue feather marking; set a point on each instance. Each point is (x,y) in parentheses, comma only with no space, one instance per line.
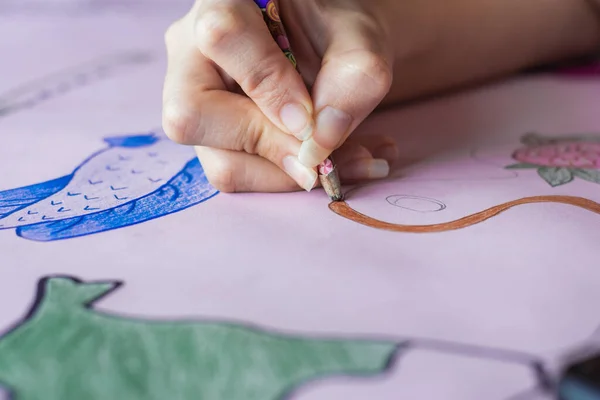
(132,141)
(16,199)
(13,200)
(186,189)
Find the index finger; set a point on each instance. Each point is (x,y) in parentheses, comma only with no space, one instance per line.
(234,35)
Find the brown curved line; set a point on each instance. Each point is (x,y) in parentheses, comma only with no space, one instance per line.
(343,209)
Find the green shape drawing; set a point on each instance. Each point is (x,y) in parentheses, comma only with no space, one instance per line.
(66,350)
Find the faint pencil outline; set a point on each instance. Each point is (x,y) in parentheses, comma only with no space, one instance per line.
(533,393)
(473,156)
(395,198)
(90,7)
(53,85)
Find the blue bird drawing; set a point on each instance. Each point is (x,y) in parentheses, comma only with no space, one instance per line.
(135,179)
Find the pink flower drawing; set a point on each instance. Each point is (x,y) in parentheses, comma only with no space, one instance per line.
(560,160)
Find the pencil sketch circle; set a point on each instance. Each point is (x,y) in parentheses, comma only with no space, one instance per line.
(416,203)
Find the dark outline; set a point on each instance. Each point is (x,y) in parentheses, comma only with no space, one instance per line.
(40,291)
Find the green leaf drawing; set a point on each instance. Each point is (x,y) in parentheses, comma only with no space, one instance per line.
(66,350)
(534,139)
(556,176)
(522,166)
(582,137)
(591,175)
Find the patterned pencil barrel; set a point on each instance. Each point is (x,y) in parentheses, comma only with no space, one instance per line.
(273,21)
(328,175)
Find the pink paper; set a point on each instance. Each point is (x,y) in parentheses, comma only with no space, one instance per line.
(473,311)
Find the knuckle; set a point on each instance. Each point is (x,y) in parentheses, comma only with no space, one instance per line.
(218,27)
(262,83)
(221,174)
(178,126)
(380,71)
(255,140)
(266,148)
(249,139)
(374,68)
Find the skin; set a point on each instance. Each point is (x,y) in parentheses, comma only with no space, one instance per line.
(258,125)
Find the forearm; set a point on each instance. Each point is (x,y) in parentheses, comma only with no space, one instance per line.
(460,42)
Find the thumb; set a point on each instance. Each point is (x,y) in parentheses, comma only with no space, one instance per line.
(355,76)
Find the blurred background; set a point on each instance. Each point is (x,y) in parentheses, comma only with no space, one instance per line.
(75,71)
(89,6)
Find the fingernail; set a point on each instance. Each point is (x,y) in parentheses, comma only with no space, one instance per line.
(366,168)
(388,152)
(297,120)
(331,126)
(311,153)
(305,177)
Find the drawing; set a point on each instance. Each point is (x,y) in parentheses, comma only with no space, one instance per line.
(342,208)
(60,83)
(416,203)
(135,179)
(104,355)
(559,160)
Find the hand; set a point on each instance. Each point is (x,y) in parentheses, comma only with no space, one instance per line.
(231,92)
